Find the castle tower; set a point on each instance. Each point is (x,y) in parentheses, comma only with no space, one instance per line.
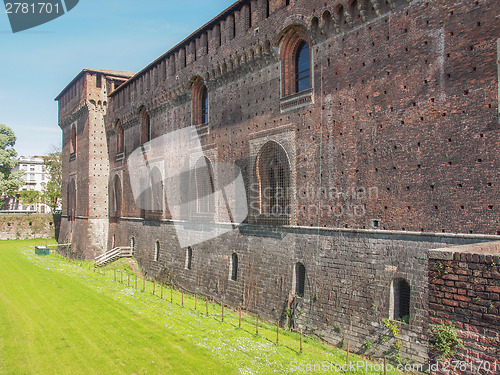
(82,108)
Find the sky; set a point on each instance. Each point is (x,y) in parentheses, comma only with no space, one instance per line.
(36,64)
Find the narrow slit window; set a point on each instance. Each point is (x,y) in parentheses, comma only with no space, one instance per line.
(157,251)
(189,258)
(234,267)
(300,279)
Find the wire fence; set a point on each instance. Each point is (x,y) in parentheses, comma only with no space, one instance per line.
(210,307)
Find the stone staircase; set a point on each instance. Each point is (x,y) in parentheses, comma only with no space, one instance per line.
(113,254)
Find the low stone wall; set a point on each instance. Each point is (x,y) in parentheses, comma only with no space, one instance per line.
(24,226)
(464,289)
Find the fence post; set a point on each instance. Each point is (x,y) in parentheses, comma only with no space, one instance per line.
(161,291)
(257,325)
(195,301)
(121,276)
(301,340)
(154,286)
(182,298)
(206,304)
(277,332)
(222,305)
(239,325)
(347,355)
(171,294)
(385,365)
(114,271)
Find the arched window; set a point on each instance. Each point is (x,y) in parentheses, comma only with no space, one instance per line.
(204,185)
(156,190)
(189,258)
(116,197)
(273,177)
(302,68)
(120,141)
(71,200)
(300,279)
(400,300)
(199,104)
(72,141)
(145,125)
(132,244)
(204,105)
(157,251)
(233,269)
(296,62)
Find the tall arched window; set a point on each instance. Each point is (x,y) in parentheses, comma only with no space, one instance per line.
(400,300)
(145,125)
(120,141)
(71,200)
(296,61)
(204,185)
(302,68)
(72,141)
(156,190)
(273,177)
(204,105)
(199,104)
(116,197)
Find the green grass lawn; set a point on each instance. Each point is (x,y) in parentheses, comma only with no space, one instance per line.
(59,317)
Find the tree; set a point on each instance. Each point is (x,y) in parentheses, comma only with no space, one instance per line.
(51,194)
(10,182)
(29,197)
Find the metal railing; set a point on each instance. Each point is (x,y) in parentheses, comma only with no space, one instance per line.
(113,254)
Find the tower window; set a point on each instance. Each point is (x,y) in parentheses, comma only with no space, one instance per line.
(145,125)
(120,144)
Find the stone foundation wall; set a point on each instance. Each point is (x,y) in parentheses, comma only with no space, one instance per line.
(348,277)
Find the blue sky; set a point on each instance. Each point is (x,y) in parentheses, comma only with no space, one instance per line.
(36,64)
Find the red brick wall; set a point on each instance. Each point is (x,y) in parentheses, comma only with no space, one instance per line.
(464,288)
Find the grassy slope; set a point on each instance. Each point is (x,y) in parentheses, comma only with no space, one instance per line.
(58,318)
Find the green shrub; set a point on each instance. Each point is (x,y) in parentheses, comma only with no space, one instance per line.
(445,340)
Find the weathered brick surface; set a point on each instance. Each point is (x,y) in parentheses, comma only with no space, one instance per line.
(472,304)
